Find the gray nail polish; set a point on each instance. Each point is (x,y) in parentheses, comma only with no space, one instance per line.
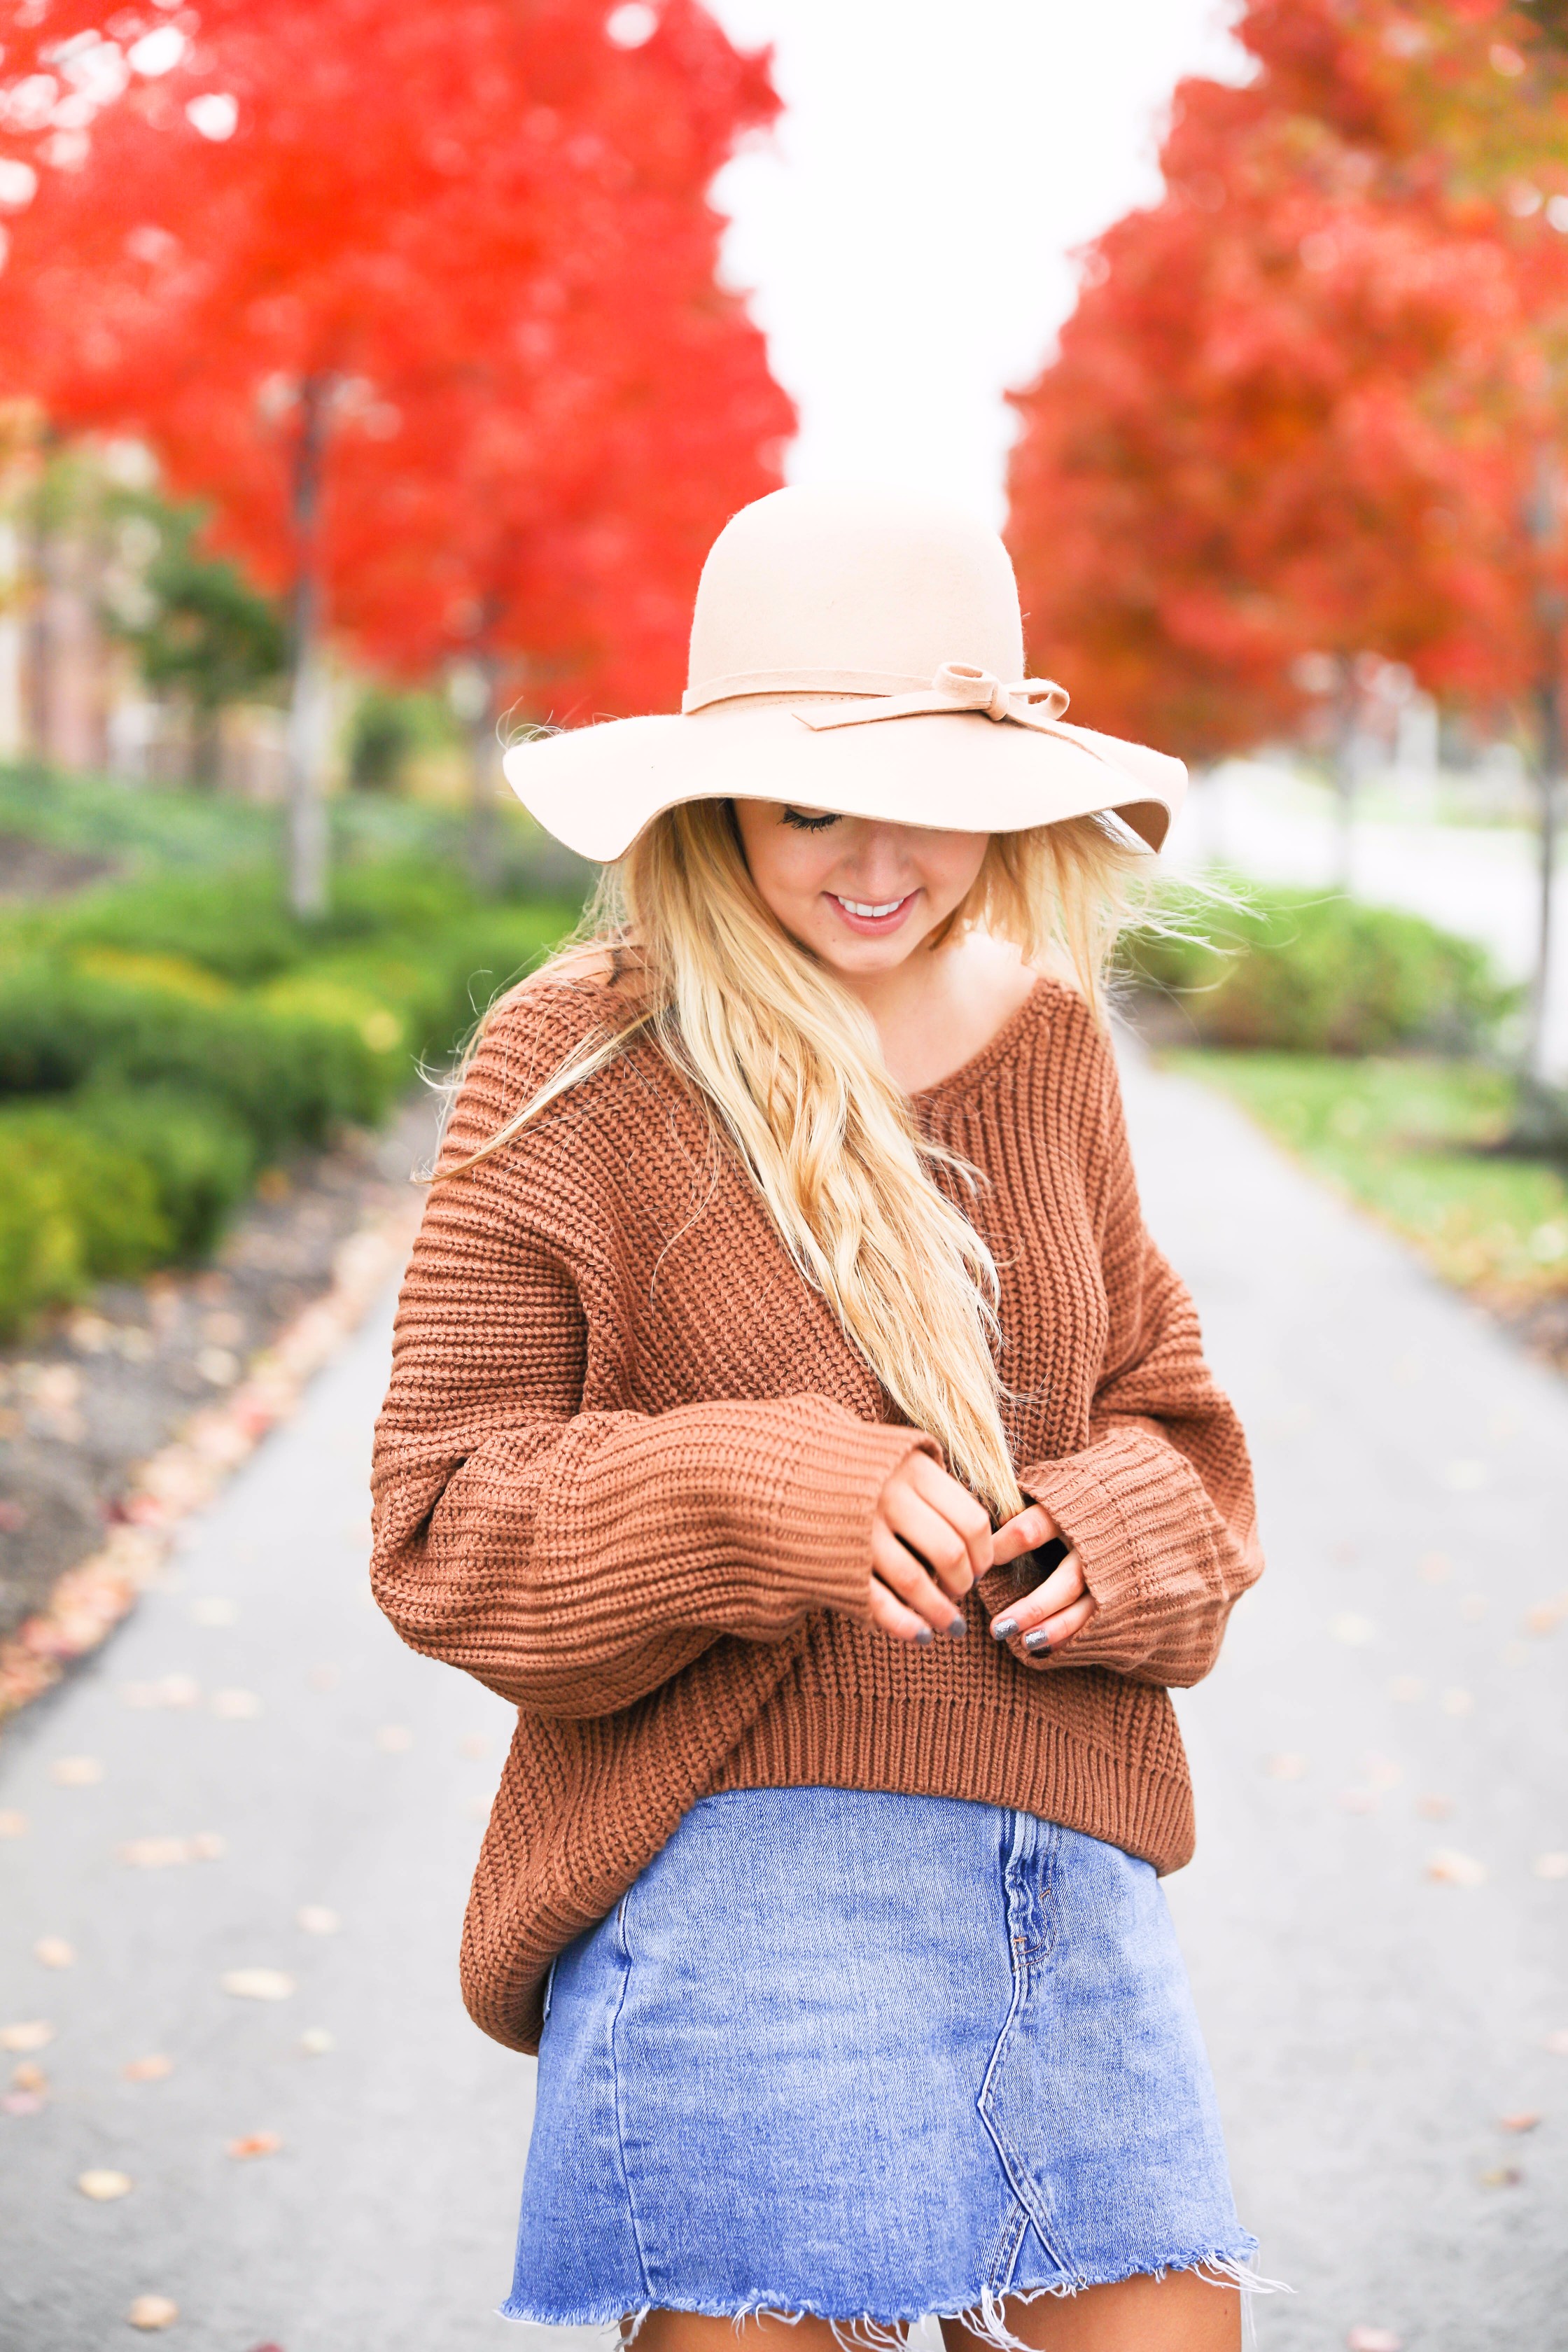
(957,1628)
(1003,1629)
(1040,1640)
(925,1634)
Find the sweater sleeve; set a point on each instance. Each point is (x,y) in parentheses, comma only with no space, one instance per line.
(1159,1504)
(574,1560)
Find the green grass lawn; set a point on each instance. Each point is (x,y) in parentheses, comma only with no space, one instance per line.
(1407,1137)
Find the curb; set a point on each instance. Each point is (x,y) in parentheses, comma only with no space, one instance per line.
(89,1599)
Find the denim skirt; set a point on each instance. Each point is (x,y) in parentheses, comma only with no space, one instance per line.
(871,2057)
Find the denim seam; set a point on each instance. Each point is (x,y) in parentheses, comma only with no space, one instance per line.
(625,1955)
(1024,1973)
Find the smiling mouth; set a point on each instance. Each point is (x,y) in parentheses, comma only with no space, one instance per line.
(867,910)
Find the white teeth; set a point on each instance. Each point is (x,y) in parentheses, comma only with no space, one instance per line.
(858,906)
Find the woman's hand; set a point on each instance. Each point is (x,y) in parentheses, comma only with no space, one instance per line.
(1054,1611)
(925,1520)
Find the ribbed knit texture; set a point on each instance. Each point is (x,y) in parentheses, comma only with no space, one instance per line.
(627,1466)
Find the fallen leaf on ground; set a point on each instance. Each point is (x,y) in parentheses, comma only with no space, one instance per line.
(12,1824)
(214,1608)
(152,2311)
(315,2042)
(1547,1615)
(104,2186)
(1434,1809)
(207,1846)
(28,2076)
(236,1706)
(257,1984)
(1286,1767)
(32,2035)
(169,1690)
(76,1771)
(54,1952)
(1383,1772)
(1457,1702)
(155,1852)
(395,1740)
(23,2103)
(1374,2339)
(147,2070)
(1355,1632)
(1452,1869)
(1502,2176)
(1526,2120)
(256,2143)
(317,1920)
(1551,1865)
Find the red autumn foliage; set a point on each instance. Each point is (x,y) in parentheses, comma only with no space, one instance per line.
(477,234)
(1301,405)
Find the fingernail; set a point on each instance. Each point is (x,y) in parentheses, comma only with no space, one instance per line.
(925,1634)
(1040,1640)
(1003,1629)
(957,1628)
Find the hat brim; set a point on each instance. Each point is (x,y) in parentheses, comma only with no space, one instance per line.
(596,788)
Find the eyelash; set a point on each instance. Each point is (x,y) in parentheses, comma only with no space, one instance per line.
(808,823)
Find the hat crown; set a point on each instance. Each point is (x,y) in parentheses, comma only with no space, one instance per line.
(817,582)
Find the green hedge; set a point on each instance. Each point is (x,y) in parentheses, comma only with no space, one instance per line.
(159,1041)
(1296,973)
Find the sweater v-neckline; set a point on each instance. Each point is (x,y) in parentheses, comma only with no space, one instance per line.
(997,1046)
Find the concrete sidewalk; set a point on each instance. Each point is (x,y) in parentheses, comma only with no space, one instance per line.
(1369,2024)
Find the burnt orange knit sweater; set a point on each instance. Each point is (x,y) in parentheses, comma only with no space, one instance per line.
(626,1468)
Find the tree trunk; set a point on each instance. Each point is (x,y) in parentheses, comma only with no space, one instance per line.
(307,681)
(1549,706)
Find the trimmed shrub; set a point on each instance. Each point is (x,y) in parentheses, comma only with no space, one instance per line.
(40,1246)
(1297,972)
(201,1159)
(81,1209)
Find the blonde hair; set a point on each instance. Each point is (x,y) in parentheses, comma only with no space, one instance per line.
(791,1065)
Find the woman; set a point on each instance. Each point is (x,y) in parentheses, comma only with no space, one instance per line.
(791,1418)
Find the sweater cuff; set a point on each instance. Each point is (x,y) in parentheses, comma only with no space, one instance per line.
(1122,1505)
(838,1468)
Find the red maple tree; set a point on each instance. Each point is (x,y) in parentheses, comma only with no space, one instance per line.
(421,297)
(1299,406)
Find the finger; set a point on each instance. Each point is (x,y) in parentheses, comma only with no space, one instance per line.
(1026,1532)
(1064,1584)
(890,1614)
(957,1506)
(939,1545)
(904,1576)
(1061,1628)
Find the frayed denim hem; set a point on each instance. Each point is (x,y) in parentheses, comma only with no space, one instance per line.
(983,2318)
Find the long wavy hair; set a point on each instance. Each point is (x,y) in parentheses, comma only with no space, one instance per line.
(790,1065)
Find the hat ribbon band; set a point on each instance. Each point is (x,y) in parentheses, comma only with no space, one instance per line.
(957,686)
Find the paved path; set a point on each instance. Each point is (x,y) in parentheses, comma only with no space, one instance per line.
(1369,2025)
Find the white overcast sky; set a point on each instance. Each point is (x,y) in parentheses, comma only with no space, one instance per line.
(906,231)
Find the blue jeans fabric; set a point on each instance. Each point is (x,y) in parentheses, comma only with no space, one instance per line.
(869,2056)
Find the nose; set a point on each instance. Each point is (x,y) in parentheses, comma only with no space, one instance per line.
(876,863)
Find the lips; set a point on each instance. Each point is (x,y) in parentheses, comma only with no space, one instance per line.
(873,917)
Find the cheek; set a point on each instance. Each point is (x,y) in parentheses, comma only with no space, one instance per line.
(786,864)
(952,866)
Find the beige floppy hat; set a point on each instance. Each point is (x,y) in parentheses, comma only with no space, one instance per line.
(858,654)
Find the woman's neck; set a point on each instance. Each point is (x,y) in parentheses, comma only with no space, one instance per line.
(938,1009)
